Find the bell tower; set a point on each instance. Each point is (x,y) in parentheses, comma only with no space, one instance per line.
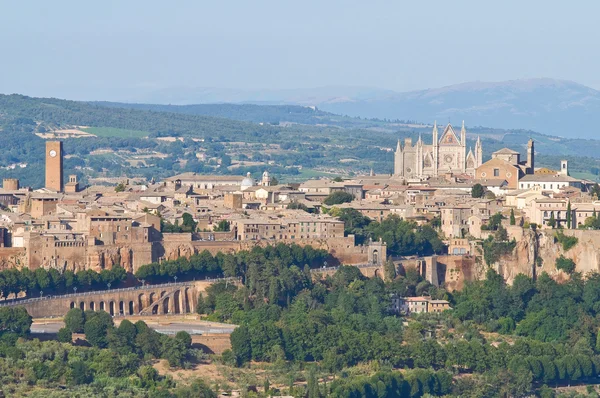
(530,156)
(54,166)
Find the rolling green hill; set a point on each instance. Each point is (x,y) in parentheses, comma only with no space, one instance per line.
(155,141)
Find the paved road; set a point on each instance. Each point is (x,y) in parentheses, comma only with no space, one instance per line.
(170,328)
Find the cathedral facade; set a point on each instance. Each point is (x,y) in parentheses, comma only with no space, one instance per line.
(446,154)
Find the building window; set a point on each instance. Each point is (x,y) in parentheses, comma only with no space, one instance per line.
(496,172)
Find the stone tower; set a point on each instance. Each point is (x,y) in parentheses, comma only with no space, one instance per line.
(530,157)
(266,179)
(478,152)
(54,166)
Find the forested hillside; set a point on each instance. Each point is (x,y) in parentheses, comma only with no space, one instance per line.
(291,142)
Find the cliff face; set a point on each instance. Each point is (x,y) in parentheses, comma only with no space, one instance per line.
(534,244)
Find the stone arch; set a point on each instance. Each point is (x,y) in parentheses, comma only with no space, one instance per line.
(177,302)
(111,308)
(152,298)
(82,306)
(131,307)
(102,306)
(155,310)
(162,294)
(92,306)
(377,274)
(121,307)
(142,301)
(165,304)
(72,304)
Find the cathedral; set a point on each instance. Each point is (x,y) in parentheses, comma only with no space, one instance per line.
(447,154)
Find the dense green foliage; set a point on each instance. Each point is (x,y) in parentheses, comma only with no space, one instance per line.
(124,366)
(406,237)
(344,320)
(51,281)
(497,245)
(14,321)
(274,260)
(337,198)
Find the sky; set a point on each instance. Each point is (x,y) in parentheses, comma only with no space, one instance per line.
(118,50)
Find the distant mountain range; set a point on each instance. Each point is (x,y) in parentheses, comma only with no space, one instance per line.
(550,106)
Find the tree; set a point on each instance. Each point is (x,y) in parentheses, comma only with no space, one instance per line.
(64,335)
(120,187)
(390,270)
(74,320)
(513,221)
(552,221)
(312,384)
(15,320)
(188,224)
(96,328)
(174,351)
(240,344)
(338,197)
(223,226)
(185,338)
(495,221)
(477,191)
(501,235)
(295,205)
(569,215)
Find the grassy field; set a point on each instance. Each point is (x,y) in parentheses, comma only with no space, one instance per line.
(114,132)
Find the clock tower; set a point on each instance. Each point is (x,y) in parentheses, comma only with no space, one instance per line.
(54,166)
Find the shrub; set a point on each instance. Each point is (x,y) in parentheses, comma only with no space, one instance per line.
(567,242)
(565,264)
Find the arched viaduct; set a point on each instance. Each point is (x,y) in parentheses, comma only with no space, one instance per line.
(163,299)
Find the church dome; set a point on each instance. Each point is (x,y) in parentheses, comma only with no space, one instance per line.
(247,182)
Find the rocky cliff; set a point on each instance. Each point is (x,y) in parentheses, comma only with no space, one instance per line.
(537,251)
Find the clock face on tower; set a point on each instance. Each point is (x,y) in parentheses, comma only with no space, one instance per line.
(52,153)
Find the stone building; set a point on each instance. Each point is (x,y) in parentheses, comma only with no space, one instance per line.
(288,228)
(447,154)
(506,164)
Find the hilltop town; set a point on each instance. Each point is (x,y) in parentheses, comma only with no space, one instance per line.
(466,198)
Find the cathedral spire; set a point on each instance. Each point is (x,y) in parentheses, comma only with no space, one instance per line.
(435,133)
(463,134)
(399,146)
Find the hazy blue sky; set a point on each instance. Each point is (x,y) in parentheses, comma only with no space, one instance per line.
(115,49)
